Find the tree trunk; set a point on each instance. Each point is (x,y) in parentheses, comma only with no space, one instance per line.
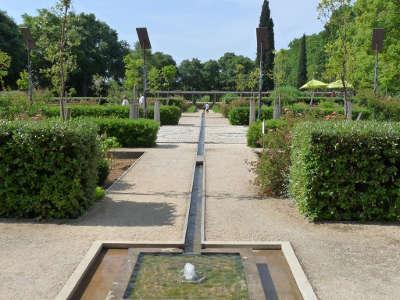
(277,108)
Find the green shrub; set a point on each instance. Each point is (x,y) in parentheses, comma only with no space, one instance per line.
(47,169)
(288,94)
(103,169)
(272,169)
(129,133)
(216,108)
(169,115)
(254,134)
(385,109)
(228,98)
(347,170)
(79,110)
(178,102)
(100,193)
(15,104)
(327,108)
(240,115)
(192,109)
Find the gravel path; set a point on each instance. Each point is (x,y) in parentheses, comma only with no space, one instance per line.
(148,204)
(342,261)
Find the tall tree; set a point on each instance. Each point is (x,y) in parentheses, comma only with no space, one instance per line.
(281,70)
(12,43)
(268,54)
(302,70)
(211,75)
(5,61)
(191,75)
(160,60)
(133,73)
(169,74)
(92,44)
(341,58)
(228,64)
(155,80)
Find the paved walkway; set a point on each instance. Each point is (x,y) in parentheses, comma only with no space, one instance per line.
(342,261)
(148,204)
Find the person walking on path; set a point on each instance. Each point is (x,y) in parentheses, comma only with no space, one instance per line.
(125,101)
(207,107)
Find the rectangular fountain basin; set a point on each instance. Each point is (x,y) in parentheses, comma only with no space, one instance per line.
(129,271)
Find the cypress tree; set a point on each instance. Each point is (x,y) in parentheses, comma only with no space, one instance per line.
(268,54)
(302,70)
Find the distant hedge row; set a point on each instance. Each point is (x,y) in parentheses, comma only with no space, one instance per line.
(254,134)
(169,115)
(240,115)
(347,170)
(47,169)
(129,133)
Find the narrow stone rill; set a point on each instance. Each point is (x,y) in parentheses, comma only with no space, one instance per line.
(193,231)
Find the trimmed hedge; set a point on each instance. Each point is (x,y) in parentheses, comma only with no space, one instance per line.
(117,111)
(47,169)
(169,115)
(385,109)
(347,170)
(327,108)
(240,115)
(254,134)
(129,133)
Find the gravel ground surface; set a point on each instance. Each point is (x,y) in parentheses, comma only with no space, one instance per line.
(342,261)
(148,204)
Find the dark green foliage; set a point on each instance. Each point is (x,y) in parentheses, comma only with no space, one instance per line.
(169,115)
(12,43)
(325,109)
(269,53)
(228,98)
(302,70)
(229,64)
(254,134)
(47,169)
(384,109)
(179,102)
(129,133)
(272,170)
(94,45)
(316,58)
(347,170)
(117,111)
(240,115)
(103,169)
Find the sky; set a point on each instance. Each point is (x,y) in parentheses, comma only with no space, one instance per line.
(204,29)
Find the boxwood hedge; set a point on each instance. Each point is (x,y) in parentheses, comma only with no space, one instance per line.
(254,134)
(240,115)
(347,170)
(169,115)
(79,110)
(47,169)
(129,133)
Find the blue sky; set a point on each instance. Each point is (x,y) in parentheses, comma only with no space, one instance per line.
(205,29)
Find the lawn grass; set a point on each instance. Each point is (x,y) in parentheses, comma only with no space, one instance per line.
(160,277)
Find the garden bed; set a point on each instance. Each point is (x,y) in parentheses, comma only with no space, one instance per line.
(118,166)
